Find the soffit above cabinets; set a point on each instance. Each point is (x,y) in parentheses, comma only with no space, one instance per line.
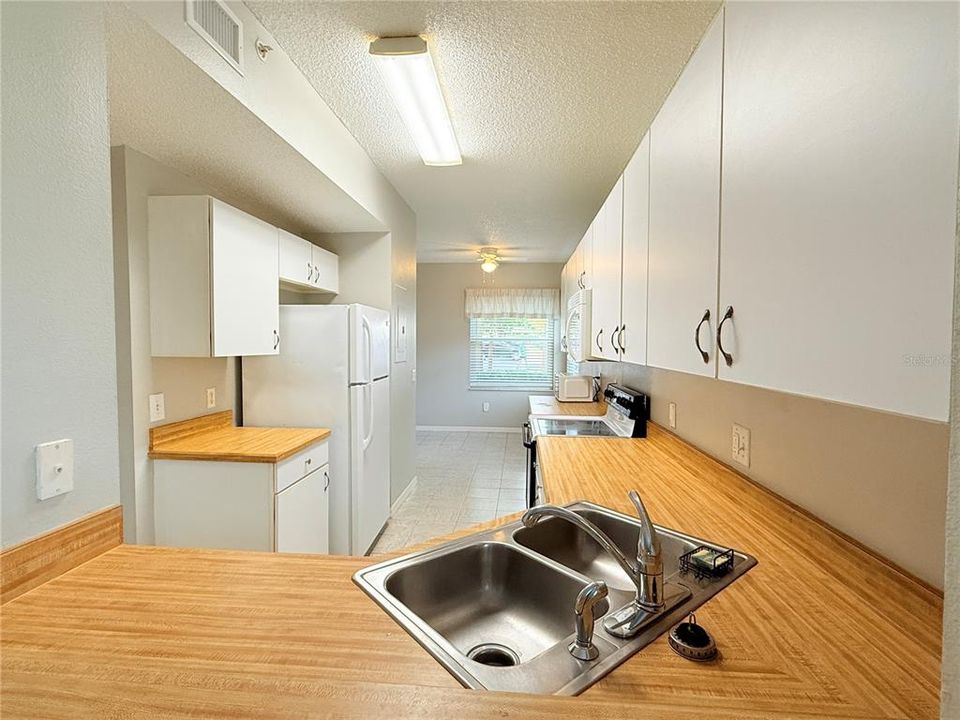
(548,101)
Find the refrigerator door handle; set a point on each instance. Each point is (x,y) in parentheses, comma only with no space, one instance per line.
(368,333)
(368,413)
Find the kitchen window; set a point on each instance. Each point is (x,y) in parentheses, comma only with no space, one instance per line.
(513,338)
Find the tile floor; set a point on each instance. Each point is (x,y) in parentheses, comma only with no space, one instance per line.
(463,478)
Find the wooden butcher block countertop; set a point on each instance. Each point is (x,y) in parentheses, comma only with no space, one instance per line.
(549,405)
(214,437)
(819,629)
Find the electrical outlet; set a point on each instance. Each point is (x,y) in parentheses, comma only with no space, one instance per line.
(486,406)
(211,398)
(741,445)
(157,410)
(54,468)
(672,415)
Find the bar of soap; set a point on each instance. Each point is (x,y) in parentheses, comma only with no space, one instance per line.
(709,559)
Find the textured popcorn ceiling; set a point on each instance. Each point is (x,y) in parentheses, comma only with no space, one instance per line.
(548,99)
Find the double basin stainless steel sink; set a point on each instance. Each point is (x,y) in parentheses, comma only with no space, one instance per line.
(496,608)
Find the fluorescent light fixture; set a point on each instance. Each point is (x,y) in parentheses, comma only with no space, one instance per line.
(408,71)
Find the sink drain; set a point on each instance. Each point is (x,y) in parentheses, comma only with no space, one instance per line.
(494,655)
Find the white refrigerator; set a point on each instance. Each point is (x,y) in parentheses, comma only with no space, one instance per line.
(333,371)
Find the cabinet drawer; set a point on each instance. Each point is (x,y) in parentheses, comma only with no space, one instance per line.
(301,464)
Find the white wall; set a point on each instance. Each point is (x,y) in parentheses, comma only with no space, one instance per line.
(59,367)
(443,397)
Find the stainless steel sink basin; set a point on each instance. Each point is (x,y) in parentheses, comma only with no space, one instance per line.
(496,609)
(489,595)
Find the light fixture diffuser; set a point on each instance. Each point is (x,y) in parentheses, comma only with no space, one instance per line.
(407,69)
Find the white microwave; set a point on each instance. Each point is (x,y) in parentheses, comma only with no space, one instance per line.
(573,388)
(578,327)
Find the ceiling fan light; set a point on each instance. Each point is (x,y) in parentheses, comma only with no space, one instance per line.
(489,265)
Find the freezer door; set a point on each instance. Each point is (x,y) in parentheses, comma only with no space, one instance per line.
(370,461)
(369,344)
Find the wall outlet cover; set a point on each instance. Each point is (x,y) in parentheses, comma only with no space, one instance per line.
(157,410)
(672,413)
(211,398)
(741,445)
(54,468)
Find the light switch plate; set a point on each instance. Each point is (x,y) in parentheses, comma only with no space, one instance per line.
(486,406)
(672,413)
(741,445)
(157,410)
(54,468)
(211,397)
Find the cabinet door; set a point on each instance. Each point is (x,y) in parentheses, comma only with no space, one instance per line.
(586,255)
(839,200)
(633,294)
(244,294)
(606,274)
(296,260)
(302,514)
(564,298)
(684,213)
(327,266)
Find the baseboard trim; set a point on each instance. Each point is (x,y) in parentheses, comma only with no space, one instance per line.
(411,486)
(467,428)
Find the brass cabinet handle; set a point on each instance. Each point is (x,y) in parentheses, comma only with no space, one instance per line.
(726,316)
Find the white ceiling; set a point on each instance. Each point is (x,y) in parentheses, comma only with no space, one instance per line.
(548,99)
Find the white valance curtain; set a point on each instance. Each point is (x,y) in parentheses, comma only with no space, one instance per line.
(512,302)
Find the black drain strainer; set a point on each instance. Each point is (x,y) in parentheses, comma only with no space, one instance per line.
(494,655)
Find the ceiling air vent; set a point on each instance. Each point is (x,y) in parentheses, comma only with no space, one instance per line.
(216,24)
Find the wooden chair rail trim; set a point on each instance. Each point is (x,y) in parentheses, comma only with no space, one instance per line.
(43,558)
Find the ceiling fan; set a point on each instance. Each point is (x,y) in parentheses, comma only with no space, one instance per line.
(488,256)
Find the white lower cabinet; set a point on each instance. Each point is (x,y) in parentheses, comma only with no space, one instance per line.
(302,509)
(270,507)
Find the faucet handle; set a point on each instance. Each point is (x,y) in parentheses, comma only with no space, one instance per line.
(648,543)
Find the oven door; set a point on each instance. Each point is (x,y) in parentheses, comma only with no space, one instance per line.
(530,443)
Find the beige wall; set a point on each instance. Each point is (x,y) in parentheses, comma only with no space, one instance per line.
(878,477)
(443,346)
(950,688)
(58,368)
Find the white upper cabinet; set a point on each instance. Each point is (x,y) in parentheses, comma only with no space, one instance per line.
(585,257)
(213,279)
(839,204)
(305,267)
(632,338)
(605,311)
(684,213)
(296,260)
